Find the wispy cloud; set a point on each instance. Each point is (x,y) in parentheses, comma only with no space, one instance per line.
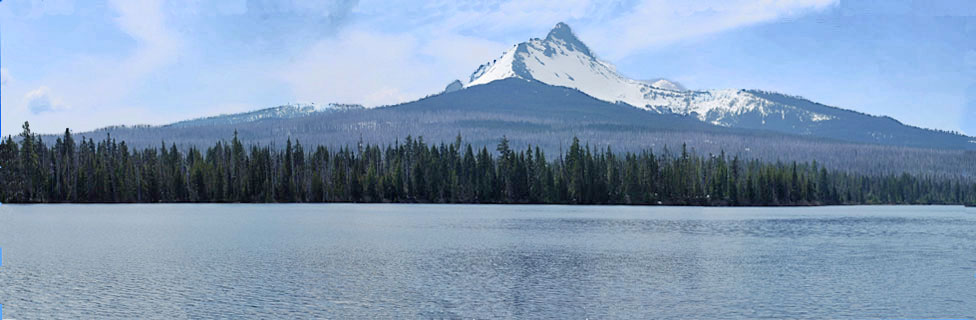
(374,68)
(657,22)
(157,45)
(345,69)
(4,76)
(40,100)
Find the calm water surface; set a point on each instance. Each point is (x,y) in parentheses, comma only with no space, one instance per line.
(459,261)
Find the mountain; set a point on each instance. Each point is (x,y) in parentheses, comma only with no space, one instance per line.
(544,92)
(532,101)
(279,112)
(529,112)
(454,86)
(561,59)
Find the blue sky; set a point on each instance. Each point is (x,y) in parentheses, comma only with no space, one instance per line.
(89,64)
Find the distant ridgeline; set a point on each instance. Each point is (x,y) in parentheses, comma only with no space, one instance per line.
(279,112)
(108,171)
(529,112)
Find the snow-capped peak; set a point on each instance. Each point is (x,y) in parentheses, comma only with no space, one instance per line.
(563,35)
(561,59)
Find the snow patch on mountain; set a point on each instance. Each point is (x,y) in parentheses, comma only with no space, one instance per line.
(287,111)
(666,84)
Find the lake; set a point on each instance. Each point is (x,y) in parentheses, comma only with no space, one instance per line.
(471,261)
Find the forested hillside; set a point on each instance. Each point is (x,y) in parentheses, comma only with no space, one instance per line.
(413,171)
(529,112)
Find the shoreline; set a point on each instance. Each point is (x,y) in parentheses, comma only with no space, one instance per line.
(477,204)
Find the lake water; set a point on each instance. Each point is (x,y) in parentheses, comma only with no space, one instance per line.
(462,261)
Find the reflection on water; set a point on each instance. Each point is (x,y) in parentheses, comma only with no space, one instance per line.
(427,261)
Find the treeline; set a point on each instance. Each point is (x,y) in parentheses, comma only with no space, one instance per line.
(552,132)
(108,171)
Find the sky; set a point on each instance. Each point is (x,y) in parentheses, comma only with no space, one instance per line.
(94,63)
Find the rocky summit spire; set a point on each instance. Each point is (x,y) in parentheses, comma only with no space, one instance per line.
(562,32)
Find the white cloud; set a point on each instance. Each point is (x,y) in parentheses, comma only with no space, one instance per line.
(356,66)
(145,22)
(457,56)
(374,68)
(40,100)
(4,76)
(658,22)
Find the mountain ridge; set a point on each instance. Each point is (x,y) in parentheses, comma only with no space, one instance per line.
(561,59)
(531,113)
